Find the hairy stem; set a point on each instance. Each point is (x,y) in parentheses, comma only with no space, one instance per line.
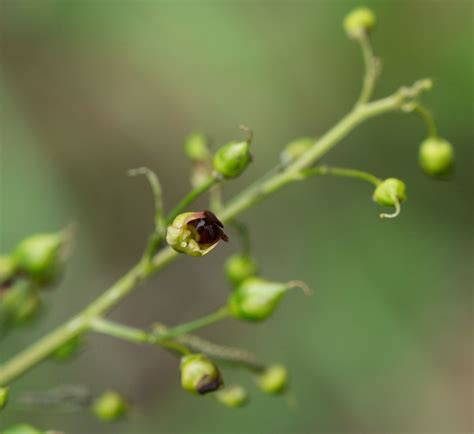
(80,323)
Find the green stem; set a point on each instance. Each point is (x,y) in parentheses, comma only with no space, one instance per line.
(428,119)
(80,323)
(340,171)
(371,65)
(197,324)
(195,193)
(135,335)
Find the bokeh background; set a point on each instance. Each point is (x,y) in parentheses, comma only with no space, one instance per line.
(89,89)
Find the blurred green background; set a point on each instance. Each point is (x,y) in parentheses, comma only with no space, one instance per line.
(89,89)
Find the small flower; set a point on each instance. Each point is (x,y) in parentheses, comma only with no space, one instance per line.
(195,233)
(239,267)
(42,256)
(196,147)
(4,391)
(295,149)
(390,192)
(110,406)
(436,156)
(232,159)
(273,380)
(359,20)
(199,375)
(233,396)
(255,299)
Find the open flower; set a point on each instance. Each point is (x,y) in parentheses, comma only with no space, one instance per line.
(195,233)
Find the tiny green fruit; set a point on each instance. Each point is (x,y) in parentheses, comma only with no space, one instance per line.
(199,375)
(232,159)
(40,256)
(4,392)
(255,299)
(196,147)
(233,396)
(239,267)
(358,21)
(110,406)
(436,156)
(273,380)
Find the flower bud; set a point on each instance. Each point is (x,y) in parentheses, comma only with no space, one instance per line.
(20,302)
(23,428)
(295,149)
(68,349)
(255,299)
(232,159)
(233,396)
(41,256)
(196,147)
(8,269)
(273,380)
(436,156)
(359,20)
(195,233)
(199,375)
(109,406)
(239,267)
(3,397)
(390,192)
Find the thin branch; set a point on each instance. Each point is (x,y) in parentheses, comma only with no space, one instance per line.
(339,171)
(80,323)
(372,68)
(193,195)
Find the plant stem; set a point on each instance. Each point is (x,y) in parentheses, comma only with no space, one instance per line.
(80,323)
(371,65)
(194,325)
(205,186)
(339,171)
(428,119)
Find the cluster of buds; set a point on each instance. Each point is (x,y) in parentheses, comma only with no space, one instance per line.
(35,263)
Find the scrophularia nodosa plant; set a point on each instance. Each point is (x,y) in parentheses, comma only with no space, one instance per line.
(38,261)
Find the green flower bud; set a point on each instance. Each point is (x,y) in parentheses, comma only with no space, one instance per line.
(390,191)
(295,149)
(239,267)
(20,303)
(3,396)
(436,156)
(195,233)
(199,375)
(233,396)
(273,380)
(22,428)
(255,299)
(41,256)
(196,147)
(232,159)
(68,349)
(109,406)
(8,269)
(359,20)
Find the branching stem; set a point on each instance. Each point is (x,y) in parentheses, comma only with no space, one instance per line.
(81,322)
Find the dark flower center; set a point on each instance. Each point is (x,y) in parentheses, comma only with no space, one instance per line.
(209,229)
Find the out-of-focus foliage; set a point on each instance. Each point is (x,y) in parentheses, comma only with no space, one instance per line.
(90,89)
